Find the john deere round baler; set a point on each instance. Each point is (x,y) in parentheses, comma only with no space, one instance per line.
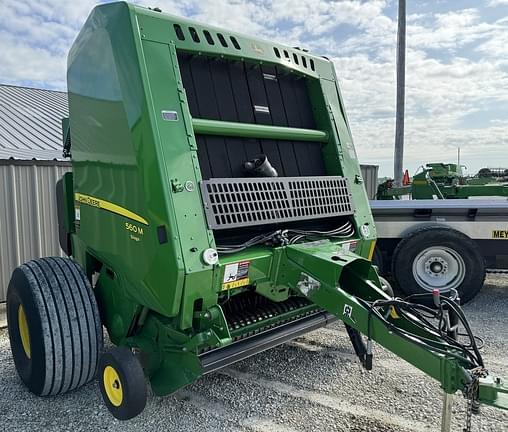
(215,209)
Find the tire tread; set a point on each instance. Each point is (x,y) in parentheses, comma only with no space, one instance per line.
(72,331)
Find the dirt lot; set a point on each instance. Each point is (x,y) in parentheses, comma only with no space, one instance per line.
(311,384)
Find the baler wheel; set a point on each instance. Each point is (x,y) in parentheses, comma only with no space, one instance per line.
(122,383)
(54,325)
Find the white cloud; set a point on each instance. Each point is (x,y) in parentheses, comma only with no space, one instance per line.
(496,46)
(441,89)
(498,3)
(450,30)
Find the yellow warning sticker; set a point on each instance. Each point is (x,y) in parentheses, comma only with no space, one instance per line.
(235,284)
(393,313)
(236,275)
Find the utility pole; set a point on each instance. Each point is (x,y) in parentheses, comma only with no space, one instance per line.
(401,83)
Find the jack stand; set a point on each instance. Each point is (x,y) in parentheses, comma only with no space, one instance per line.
(446,416)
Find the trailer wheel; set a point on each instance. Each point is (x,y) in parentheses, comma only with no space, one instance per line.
(438,257)
(122,383)
(54,326)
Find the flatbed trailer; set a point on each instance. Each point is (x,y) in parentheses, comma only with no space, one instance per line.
(444,244)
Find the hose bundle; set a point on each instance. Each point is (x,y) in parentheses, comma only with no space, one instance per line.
(288,236)
(434,321)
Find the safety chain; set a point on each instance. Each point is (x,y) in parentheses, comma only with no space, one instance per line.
(471,395)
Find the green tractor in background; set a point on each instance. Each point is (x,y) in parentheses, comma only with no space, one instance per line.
(447,181)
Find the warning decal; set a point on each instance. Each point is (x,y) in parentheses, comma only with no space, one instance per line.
(236,275)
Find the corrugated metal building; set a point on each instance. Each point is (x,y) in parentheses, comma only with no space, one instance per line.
(30,164)
(369,174)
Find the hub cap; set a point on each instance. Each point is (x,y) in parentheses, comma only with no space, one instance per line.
(439,267)
(23,331)
(113,386)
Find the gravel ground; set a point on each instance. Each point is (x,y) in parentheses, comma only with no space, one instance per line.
(311,384)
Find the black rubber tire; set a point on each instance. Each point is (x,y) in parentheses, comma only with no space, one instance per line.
(409,247)
(132,382)
(64,328)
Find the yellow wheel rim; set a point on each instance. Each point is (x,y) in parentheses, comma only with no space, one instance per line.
(112,385)
(23,331)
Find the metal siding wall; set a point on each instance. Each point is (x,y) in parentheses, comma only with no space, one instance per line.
(369,174)
(28,219)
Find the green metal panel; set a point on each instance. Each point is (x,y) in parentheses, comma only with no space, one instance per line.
(159,27)
(68,192)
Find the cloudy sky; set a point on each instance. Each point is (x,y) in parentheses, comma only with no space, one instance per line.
(457,63)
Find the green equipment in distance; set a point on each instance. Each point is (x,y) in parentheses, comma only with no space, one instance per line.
(447,181)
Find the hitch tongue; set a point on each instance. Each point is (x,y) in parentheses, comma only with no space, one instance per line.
(493,391)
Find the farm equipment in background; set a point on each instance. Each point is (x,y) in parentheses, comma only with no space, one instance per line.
(490,175)
(446,181)
(215,209)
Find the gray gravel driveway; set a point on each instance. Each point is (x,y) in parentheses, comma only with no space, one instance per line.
(311,384)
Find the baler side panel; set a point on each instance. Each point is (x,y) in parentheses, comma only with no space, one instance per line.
(349,164)
(114,162)
(180,160)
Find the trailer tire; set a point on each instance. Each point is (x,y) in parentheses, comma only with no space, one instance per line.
(122,383)
(438,257)
(54,326)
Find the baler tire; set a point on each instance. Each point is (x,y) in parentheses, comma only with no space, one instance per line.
(122,383)
(439,238)
(55,330)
